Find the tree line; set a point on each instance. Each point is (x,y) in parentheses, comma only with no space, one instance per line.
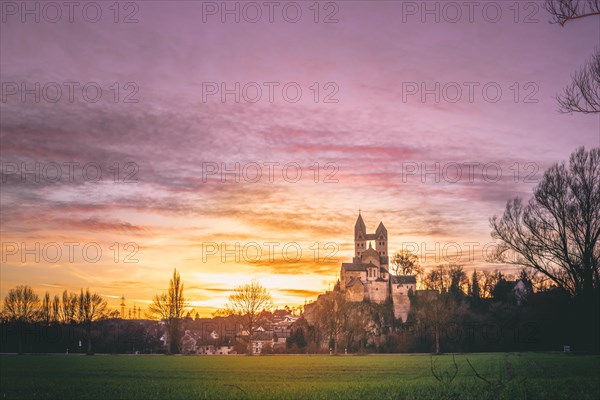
(23,306)
(553,238)
(24,312)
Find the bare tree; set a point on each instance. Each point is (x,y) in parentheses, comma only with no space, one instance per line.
(170,307)
(489,282)
(458,279)
(160,307)
(434,311)
(21,304)
(405,262)
(557,231)
(438,278)
(92,307)
(246,303)
(583,94)
(475,289)
(539,282)
(563,11)
(69,307)
(332,316)
(56,309)
(448,278)
(46,309)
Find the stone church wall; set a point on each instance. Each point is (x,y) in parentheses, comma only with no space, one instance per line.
(378,291)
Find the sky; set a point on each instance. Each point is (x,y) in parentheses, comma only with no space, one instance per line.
(158,135)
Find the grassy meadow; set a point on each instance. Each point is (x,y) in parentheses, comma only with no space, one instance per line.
(502,376)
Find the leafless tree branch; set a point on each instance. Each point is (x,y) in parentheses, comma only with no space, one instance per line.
(583,94)
(563,11)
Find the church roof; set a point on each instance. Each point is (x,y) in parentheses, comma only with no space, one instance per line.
(353,281)
(353,266)
(370,250)
(360,225)
(404,279)
(381,229)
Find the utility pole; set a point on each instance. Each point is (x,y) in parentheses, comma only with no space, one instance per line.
(123,306)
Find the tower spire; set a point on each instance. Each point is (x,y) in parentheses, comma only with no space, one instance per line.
(360,236)
(360,226)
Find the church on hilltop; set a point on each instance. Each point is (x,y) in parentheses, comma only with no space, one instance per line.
(368,278)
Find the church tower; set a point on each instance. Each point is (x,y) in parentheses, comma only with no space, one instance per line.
(360,237)
(367,277)
(381,244)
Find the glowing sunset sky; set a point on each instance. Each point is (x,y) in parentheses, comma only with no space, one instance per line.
(367,145)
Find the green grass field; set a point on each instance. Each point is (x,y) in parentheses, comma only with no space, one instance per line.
(510,376)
